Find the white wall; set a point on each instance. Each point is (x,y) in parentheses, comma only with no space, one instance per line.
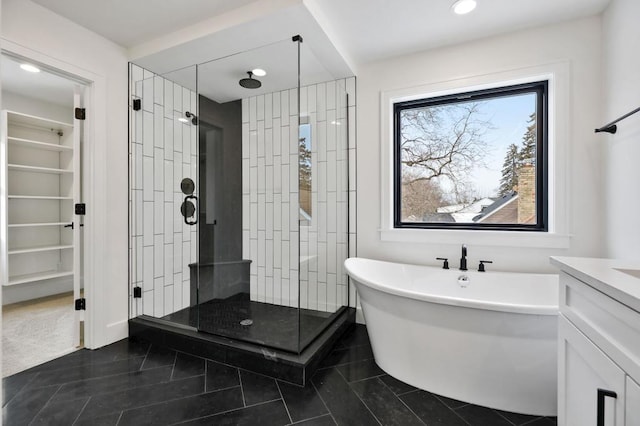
(163,152)
(272,238)
(577,42)
(58,42)
(621,93)
(26,105)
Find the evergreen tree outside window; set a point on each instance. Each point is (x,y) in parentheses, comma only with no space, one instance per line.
(475,160)
(509,179)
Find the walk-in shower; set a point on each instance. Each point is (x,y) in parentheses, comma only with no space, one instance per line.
(239,214)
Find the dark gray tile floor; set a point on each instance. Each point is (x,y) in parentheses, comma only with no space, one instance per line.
(134,383)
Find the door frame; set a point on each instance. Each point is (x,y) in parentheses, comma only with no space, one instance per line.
(93,181)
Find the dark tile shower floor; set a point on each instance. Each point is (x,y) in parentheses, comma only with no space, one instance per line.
(274,326)
(135,383)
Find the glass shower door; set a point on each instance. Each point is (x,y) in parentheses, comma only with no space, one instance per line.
(248,257)
(324,197)
(163,197)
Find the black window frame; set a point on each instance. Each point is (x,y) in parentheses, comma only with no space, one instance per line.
(541,89)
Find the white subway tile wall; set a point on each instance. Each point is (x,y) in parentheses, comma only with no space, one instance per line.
(271,236)
(163,152)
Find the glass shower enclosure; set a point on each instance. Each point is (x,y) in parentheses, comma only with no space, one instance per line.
(239,196)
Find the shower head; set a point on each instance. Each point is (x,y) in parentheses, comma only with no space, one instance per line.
(250,83)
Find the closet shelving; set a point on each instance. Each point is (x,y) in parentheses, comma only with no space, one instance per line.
(41,178)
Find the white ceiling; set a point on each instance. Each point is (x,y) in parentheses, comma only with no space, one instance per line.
(43,85)
(262,43)
(372,30)
(219,79)
(130,22)
(340,35)
(367,29)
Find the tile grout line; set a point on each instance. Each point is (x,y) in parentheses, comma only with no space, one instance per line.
(95,377)
(358,396)
(75,367)
(206,370)
(401,401)
(255,405)
(284,402)
(166,401)
(128,371)
(145,356)
(454,411)
(410,391)
(346,363)
(323,401)
(439,398)
(244,401)
(21,389)
(534,420)
(313,418)
(173,367)
(45,404)
(224,412)
(80,412)
(221,389)
(500,415)
(115,375)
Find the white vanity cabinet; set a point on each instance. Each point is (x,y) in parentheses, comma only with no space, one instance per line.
(632,402)
(599,346)
(584,371)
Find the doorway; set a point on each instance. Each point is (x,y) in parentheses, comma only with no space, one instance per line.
(41,230)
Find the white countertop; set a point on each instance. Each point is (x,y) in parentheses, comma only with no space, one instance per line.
(604,275)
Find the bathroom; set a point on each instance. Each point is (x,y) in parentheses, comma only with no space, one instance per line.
(594,203)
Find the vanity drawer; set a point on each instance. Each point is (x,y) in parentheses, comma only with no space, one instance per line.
(612,326)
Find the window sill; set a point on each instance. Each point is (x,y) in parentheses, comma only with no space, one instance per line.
(482,238)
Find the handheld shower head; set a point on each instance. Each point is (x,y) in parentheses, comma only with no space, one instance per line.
(250,83)
(194,119)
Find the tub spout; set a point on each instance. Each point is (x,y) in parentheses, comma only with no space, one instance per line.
(463,259)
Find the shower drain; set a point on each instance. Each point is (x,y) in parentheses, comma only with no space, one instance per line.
(246,322)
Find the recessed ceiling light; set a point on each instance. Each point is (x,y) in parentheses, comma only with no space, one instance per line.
(29,67)
(259,72)
(462,7)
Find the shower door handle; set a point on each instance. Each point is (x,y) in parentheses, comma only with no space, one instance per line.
(188,209)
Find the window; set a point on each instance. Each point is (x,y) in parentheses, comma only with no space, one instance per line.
(304,164)
(475,160)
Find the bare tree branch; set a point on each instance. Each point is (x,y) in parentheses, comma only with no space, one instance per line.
(443,142)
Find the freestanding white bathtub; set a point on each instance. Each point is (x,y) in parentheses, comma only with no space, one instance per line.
(489,340)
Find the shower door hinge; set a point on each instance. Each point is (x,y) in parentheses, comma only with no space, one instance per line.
(81,304)
(137,292)
(137,104)
(81,208)
(81,113)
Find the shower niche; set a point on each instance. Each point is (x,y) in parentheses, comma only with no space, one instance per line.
(250,258)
